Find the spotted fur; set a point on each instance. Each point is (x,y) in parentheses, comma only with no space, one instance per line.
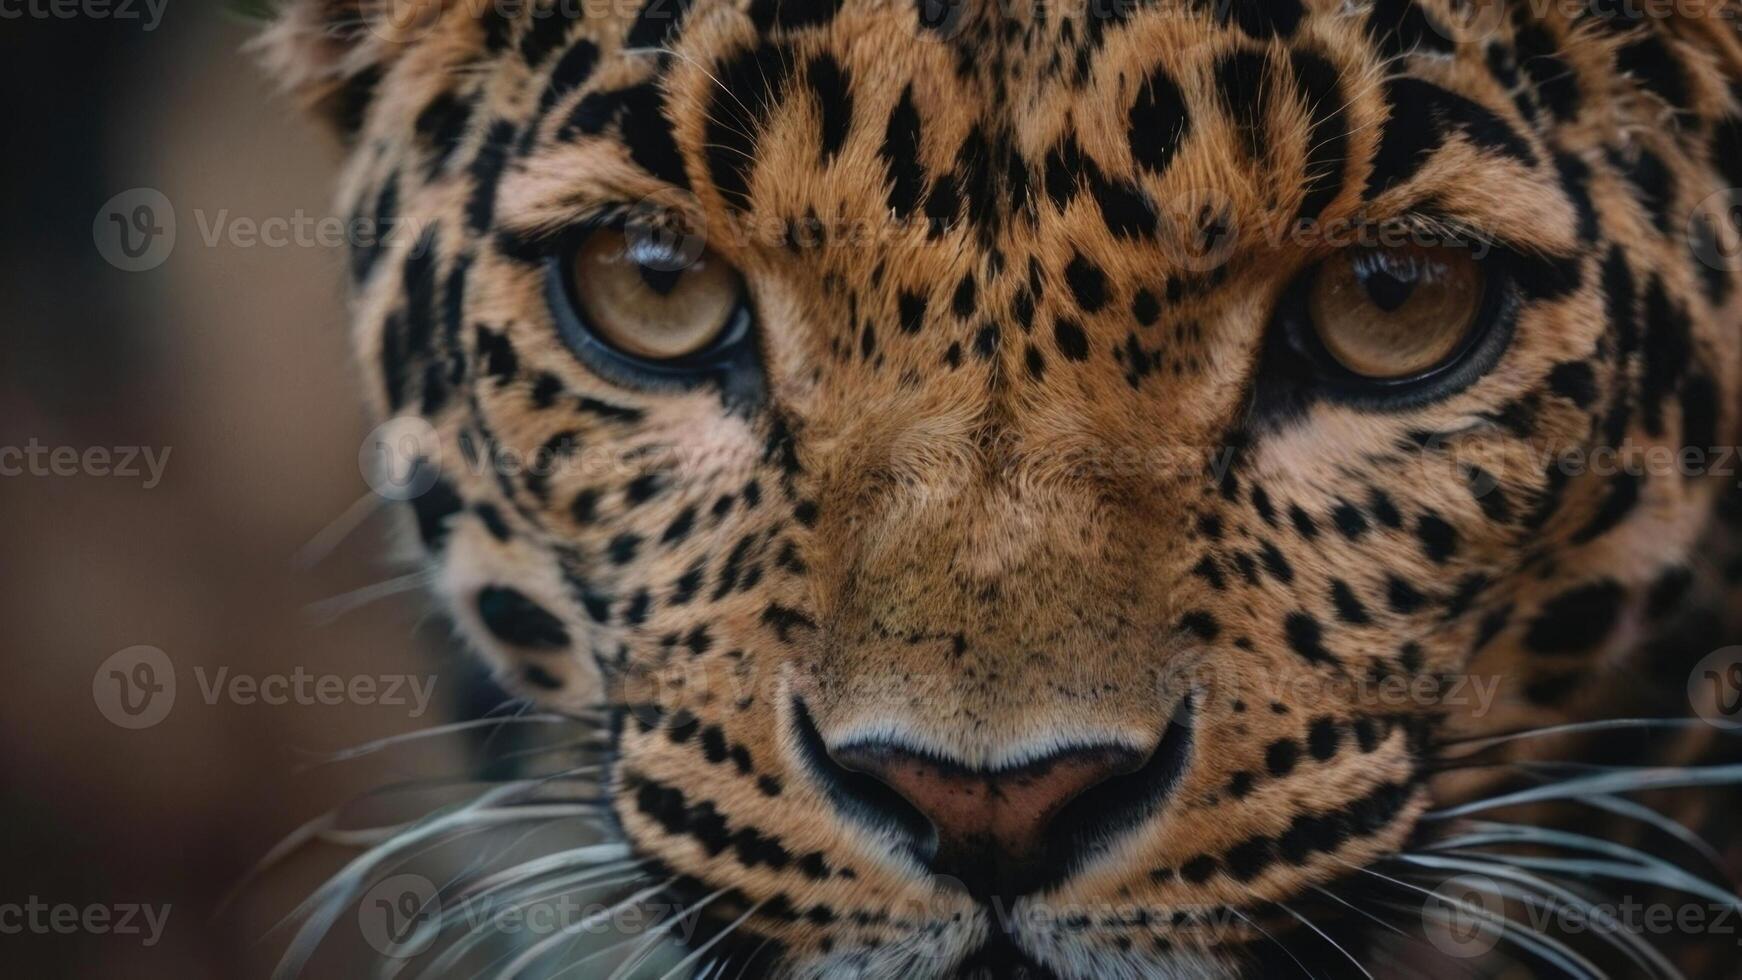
(1020,469)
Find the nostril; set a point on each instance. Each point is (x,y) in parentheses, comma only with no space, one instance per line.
(518,621)
(1003,812)
(1001,832)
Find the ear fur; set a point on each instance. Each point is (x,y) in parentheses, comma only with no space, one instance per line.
(331,54)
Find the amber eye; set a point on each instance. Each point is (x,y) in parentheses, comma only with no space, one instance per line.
(646,296)
(1394,314)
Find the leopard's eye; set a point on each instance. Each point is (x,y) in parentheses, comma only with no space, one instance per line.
(1392,315)
(644,297)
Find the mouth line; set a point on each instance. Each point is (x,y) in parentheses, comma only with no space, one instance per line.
(1083,831)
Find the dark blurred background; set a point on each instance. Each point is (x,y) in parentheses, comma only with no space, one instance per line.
(232,359)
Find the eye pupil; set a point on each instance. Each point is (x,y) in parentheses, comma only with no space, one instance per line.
(661,281)
(641,298)
(1387,291)
(1393,314)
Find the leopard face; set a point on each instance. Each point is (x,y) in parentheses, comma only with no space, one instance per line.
(987,458)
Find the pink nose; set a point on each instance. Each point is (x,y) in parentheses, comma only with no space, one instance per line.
(1006,812)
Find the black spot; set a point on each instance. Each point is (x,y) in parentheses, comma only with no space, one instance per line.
(570,74)
(1034,362)
(647,133)
(655,22)
(911,311)
(518,621)
(1402,597)
(793,14)
(1574,381)
(1439,540)
(1402,27)
(963,300)
(433,507)
(1262,19)
(1125,209)
(1653,185)
(492,520)
(349,106)
(550,26)
(1072,342)
(1576,620)
(1555,80)
(1323,738)
(748,86)
(585,507)
(1088,283)
(366,249)
(1328,136)
(1650,62)
(1198,870)
(540,678)
(832,86)
(986,341)
(1201,623)
(1158,122)
(1348,605)
(486,173)
(441,125)
(1241,82)
(1281,756)
(1699,404)
(1383,510)
(1306,638)
(1145,308)
(1248,859)
(1575,180)
(1423,116)
(496,353)
(1668,349)
(900,152)
(1275,563)
(1349,520)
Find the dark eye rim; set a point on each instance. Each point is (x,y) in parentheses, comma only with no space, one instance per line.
(1487,337)
(732,352)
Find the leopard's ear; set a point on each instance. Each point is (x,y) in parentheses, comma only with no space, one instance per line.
(332,54)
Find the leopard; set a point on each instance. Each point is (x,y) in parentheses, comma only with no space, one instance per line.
(1094,488)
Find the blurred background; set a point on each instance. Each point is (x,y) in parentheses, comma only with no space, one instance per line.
(217,366)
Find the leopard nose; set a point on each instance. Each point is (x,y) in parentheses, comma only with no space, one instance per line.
(988,822)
